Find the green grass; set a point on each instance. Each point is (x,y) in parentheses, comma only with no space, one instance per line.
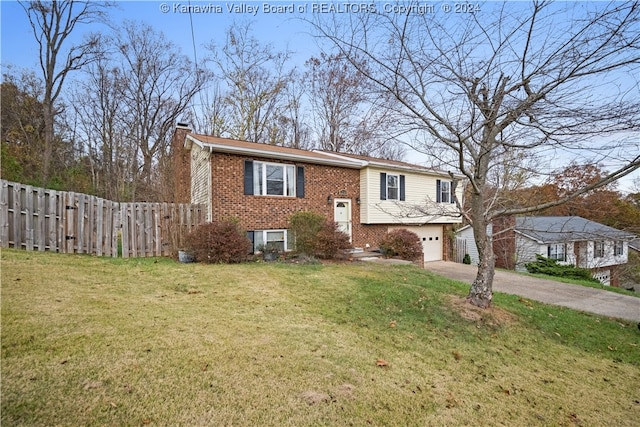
(99,341)
(585,283)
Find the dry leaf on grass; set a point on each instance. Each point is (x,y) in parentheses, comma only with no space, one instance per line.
(382,363)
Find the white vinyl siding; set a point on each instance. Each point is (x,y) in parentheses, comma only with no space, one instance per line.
(526,250)
(605,256)
(419,190)
(201,178)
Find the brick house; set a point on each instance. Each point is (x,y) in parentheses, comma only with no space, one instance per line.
(263,185)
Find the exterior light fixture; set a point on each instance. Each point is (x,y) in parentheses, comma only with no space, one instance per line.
(329,199)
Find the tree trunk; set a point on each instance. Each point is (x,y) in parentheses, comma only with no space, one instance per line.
(481,292)
(47,150)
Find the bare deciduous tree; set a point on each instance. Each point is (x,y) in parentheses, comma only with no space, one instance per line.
(159,86)
(52,23)
(292,126)
(256,80)
(97,101)
(349,116)
(541,77)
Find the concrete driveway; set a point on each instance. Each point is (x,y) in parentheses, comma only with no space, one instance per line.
(577,297)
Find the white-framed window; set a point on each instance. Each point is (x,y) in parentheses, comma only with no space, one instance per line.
(557,252)
(393,187)
(274,179)
(445,192)
(279,239)
(598,249)
(618,248)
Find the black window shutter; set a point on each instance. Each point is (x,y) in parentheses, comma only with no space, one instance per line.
(438,195)
(300,182)
(548,251)
(248,177)
(250,236)
(402,194)
(383,186)
(452,191)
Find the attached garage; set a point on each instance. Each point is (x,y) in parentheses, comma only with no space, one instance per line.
(431,237)
(604,276)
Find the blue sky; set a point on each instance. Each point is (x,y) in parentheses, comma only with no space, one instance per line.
(282,28)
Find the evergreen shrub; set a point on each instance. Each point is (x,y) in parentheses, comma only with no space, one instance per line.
(551,267)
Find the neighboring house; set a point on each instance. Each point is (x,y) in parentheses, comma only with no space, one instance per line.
(263,185)
(567,239)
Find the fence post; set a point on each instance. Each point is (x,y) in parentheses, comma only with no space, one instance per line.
(40,216)
(4,214)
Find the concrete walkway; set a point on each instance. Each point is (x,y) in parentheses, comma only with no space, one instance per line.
(577,297)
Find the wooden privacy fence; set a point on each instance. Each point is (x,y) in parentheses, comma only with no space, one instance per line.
(38,219)
(459,250)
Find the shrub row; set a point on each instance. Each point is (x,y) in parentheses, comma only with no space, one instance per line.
(226,242)
(551,267)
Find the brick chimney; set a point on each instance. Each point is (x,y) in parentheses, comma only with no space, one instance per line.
(181,164)
(504,242)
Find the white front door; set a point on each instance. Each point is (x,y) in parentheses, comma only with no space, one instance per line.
(342,215)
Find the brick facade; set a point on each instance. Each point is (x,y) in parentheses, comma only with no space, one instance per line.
(273,212)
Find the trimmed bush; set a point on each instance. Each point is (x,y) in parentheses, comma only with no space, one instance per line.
(466,259)
(551,267)
(219,242)
(330,242)
(401,243)
(305,227)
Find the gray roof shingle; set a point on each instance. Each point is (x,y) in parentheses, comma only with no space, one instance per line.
(548,229)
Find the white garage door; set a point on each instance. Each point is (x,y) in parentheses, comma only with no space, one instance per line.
(604,276)
(431,237)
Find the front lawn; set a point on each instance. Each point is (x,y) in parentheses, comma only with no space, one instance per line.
(97,341)
(586,283)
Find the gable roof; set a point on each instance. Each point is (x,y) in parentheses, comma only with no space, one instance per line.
(549,229)
(233,146)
